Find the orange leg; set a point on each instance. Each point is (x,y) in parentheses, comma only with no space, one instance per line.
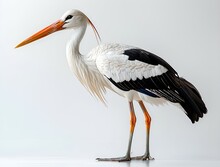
(132,126)
(146,156)
(133,117)
(127,157)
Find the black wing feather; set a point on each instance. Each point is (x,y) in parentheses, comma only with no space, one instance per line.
(147,57)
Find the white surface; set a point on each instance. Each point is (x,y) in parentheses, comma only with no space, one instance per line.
(44,110)
(91,163)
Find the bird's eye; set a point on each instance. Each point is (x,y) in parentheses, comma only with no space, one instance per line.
(68,17)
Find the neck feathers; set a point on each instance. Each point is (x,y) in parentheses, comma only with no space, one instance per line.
(74,43)
(84,67)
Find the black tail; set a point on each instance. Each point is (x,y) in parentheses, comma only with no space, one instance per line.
(193,103)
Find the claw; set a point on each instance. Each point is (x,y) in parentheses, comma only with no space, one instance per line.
(118,159)
(143,157)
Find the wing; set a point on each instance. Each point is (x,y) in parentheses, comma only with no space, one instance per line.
(137,69)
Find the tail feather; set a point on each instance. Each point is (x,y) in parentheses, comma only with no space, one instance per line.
(193,104)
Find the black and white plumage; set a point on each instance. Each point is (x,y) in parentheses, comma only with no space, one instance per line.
(129,71)
(146,73)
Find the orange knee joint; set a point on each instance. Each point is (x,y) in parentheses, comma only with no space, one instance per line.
(132,122)
(147,120)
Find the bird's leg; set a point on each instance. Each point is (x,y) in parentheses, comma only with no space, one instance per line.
(127,157)
(146,156)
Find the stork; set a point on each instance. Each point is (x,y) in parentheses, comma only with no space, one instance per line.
(131,72)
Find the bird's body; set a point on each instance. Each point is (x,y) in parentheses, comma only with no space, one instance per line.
(129,71)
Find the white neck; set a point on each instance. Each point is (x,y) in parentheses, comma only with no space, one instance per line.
(74,43)
(74,58)
(81,66)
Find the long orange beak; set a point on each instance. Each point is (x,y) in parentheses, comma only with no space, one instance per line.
(42,33)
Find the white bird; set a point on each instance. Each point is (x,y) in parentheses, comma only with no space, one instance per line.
(129,71)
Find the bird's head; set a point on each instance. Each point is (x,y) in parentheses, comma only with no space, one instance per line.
(71,19)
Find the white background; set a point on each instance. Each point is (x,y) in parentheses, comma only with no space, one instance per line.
(46,112)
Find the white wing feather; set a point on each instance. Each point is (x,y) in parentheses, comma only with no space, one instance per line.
(117,66)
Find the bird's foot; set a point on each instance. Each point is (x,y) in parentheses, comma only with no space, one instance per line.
(145,157)
(118,159)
